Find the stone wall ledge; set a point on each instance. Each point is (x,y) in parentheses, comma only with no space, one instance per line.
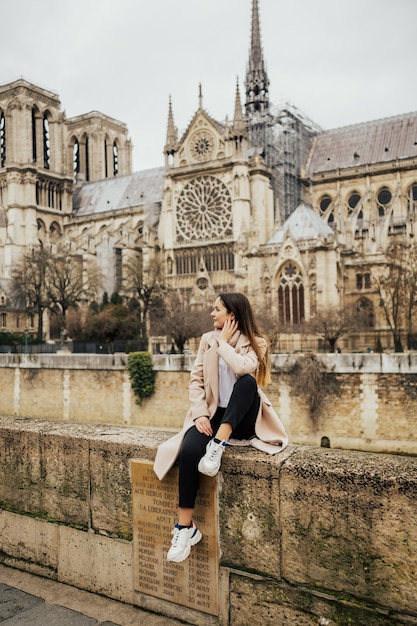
(385,363)
(307,535)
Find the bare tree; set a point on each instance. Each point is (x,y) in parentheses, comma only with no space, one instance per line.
(145,283)
(395,282)
(30,279)
(179,322)
(70,282)
(331,324)
(271,327)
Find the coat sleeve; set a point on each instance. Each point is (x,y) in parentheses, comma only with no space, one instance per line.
(245,362)
(196,388)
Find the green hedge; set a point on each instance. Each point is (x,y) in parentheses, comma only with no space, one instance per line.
(142,375)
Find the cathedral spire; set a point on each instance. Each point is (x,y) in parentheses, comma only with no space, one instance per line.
(239,127)
(200,97)
(257,82)
(171,142)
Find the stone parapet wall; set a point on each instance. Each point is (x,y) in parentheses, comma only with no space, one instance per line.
(309,536)
(369,400)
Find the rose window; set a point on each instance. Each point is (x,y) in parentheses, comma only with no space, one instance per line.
(204,210)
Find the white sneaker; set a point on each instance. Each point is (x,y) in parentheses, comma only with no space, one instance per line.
(182,541)
(210,463)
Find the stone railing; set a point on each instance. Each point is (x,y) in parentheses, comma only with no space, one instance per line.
(369,401)
(309,536)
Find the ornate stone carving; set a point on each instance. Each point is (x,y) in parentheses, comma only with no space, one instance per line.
(204,210)
(201,145)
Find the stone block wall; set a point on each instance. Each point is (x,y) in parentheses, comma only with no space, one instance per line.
(369,400)
(309,536)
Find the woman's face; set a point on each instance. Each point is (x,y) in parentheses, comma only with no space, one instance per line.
(219,314)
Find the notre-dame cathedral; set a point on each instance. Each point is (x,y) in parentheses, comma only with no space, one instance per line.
(266,202)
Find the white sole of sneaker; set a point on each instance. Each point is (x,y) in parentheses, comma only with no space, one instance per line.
(197,537)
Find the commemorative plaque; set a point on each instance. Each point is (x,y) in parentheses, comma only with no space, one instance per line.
(194,582)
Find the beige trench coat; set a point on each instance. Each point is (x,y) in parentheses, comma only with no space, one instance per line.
(204,394)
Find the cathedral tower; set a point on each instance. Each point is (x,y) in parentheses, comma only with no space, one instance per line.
(257,91)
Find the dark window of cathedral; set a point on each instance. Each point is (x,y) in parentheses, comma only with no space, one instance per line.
(330,219)
(87,161)
(118,269)
(353,201)
(76,157)
(46,143)
(215,259)
(412,198)
(3,320)
(51,196)
(115,160)
(2,140)
(325,202)
(291,296)
(363,281)
(384,199)
(106,168)
(34,140)
(365,312)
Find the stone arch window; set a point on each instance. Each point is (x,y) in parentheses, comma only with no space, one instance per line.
(2,140)
(384,199)
(365,312)
(186,262)
(54,231)
(412,198)
(41,231)
(46,142)
(49,193)
(76,157)
(215,258)
(324,204)
(353,201)
(115,159)
(3,317)
(290,295)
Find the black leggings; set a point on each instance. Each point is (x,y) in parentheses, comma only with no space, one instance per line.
(240,413)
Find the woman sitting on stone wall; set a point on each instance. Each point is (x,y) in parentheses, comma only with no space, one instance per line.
(232,364)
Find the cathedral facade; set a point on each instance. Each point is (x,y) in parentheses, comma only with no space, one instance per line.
(266,203)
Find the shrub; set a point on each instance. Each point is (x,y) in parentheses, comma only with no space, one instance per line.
(142,375)
(310,382)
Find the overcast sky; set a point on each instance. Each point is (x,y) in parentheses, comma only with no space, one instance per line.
(339,61)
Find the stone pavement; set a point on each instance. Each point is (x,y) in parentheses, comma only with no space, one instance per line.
(29,600)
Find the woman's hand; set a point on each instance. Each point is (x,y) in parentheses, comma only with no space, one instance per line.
(228,330)
(203,425)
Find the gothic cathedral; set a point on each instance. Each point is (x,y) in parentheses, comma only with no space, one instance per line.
(265,202)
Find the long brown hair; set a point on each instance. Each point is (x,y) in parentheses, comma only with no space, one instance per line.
(238,304)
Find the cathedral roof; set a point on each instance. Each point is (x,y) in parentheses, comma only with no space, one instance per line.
(303,223)
(112,194)
(367,143)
